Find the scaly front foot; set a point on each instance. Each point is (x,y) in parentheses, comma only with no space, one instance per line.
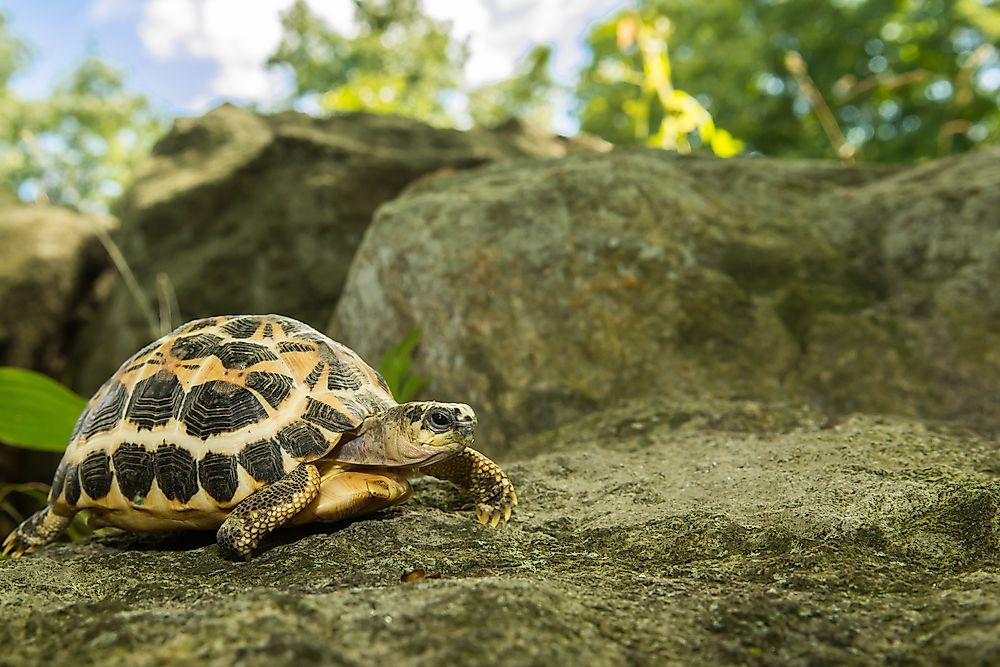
(482,479)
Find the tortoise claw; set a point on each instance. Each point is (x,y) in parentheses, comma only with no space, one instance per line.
(490,488)
(14,546)
(500,508)
(491,514)
(37,530)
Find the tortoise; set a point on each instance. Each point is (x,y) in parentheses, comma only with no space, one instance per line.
(244,423)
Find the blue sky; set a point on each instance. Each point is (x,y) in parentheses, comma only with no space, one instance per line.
(188,55)
(61,31)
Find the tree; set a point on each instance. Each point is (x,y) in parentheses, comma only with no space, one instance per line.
(652,109)
(400,61)
(14,55)
(79,146)
(527,95)
(403,62)
(880,80)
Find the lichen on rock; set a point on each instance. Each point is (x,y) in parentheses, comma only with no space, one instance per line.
(702,531)
(252,213)
(688,367)
(546,289)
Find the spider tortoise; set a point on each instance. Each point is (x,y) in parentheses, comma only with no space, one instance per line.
(246,423)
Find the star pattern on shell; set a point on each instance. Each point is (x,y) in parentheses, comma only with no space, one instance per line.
(212,412)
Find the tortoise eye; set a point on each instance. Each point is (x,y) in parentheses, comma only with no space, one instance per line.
(439,420)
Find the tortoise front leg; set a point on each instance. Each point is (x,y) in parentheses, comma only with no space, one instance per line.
(482,479)
(260,513)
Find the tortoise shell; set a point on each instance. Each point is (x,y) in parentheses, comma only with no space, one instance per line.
(213,411)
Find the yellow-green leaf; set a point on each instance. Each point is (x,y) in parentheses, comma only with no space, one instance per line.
(724,144)
(36,412)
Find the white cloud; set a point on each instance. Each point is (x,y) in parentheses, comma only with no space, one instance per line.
(338,13)
(500,32)
(103,11)
(239,35)
(169,26)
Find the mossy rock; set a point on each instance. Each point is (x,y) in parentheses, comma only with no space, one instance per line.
(238,212)
(546,289)
(688,532)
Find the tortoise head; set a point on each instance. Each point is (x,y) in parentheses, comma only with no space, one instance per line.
(411,434)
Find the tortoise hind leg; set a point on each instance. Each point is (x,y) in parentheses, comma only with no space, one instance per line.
(260,513)
(38,529)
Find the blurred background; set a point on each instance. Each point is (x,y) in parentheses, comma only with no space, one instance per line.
(100,242)
(88,86)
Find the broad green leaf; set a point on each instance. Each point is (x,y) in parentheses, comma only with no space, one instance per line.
(36,412)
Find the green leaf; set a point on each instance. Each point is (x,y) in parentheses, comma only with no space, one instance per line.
(397,368)
(36,412)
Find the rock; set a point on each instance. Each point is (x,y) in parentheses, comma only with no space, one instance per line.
(691,532)
(518,138)
(240,212)
(927,239)
(51,265)
(50,259)
(547,289)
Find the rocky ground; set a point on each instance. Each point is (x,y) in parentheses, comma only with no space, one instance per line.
(705,532)
(688,366)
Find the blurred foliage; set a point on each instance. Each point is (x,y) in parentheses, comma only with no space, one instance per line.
(403,62)
(526,95)
(14,55)
(79,146)
(400,61)
(396,368)
(661,115)
(36,412)
(880,80)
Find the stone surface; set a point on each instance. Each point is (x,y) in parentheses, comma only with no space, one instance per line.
(666,353)
(50,260)
(240,212)
(690,532)
(51,265)
(547,289)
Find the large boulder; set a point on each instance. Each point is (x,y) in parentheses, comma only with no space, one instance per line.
(51,266)
(692,532)
(50,262)
(546,289)
(239,212)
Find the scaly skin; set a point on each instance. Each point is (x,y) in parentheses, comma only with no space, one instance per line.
(40,528)
(482,479)
(265,510)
